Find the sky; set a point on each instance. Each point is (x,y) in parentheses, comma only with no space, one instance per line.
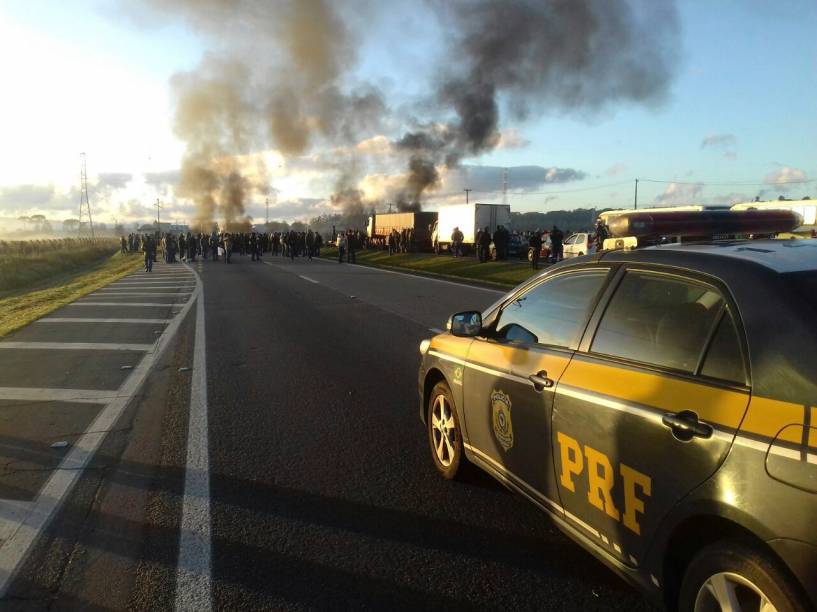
(735,118)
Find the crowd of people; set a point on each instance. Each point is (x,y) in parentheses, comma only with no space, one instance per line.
(221,246)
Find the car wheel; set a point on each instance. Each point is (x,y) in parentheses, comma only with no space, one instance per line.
(734,576)
(444,437)
(530,255)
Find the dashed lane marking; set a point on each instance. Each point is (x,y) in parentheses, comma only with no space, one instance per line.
(136,292)
(84,320)
(311,280)
(194,583)
(23,529)
(76,346)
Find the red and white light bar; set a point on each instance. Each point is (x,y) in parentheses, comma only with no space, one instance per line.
(702,223)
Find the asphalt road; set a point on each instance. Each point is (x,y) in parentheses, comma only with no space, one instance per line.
(322,493)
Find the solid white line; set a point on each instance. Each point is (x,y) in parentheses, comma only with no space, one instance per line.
(194,572)
(311,280)
(25,531)
(76,346)
(148,287)
(420,277)
(136,293)
(39,394)
(435,330)
(129,304)
(84,320)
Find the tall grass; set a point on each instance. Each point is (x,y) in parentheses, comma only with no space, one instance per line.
(25,263)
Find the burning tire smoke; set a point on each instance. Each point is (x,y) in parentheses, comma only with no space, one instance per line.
(280,75)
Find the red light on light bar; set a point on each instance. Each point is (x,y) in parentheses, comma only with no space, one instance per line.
(701,223)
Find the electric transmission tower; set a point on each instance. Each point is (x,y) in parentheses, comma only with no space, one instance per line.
(84,203)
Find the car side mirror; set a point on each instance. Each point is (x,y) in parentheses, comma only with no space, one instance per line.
(465,324)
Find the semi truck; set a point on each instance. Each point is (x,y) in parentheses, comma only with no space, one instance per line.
(420,224)
(469,218)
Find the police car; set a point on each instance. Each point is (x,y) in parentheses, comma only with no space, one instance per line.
(659,403)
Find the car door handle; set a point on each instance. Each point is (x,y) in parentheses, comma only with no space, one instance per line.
(685,425)
(541,381)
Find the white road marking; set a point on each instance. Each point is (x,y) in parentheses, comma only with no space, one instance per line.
(84,320)
(148,287)
(194,586)
(311,280)
(38,394)
(435,330)
(136,293)
(25,530)
(126,304)
(76,346)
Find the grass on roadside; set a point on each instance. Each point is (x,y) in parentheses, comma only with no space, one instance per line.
(22,305)
(505,273)
(26,263)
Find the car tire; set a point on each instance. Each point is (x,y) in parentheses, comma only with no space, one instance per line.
(740,571)
(444,433)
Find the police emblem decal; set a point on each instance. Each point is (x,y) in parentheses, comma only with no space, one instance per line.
(501,418)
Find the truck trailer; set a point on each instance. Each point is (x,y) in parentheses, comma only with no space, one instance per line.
(419,223)
(469,218)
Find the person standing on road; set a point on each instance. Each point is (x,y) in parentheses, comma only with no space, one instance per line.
(341,246)
(123,246)
(456,242)
(228,247)
(535,244)
(556,242)
(484,244)
(310,244)
(351,246)
(150,253)
(601,234)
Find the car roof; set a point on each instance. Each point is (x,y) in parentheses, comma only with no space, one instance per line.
(795,255)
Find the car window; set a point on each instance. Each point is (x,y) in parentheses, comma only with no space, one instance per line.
(723,357)
(659,320)
(554,312)
(570,240)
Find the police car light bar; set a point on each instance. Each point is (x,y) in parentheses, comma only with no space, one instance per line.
(702,223)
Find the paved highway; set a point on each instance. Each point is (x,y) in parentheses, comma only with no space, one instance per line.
(246,436)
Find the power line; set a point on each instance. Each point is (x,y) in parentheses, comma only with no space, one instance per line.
(705,183)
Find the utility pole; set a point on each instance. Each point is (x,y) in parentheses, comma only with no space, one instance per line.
(504,185)
(84,203)
(635,199)
(267,214)
(158,223)
(467,191)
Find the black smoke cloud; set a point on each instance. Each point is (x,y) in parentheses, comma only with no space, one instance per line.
(534,57)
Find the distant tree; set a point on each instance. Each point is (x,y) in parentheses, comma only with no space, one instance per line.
(70,225)
(119,229)
(298,226)
(38,221)
(277,226)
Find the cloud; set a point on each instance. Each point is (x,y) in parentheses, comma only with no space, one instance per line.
(616,169)
(21,196)
(162,180)
(677,194)
(489,179)
(512,139)
(784,176)
(719,141)
(113,180)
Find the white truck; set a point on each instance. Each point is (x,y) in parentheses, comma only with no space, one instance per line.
(469,218)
